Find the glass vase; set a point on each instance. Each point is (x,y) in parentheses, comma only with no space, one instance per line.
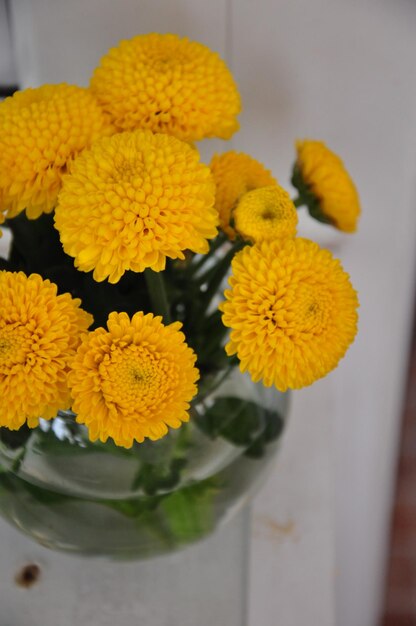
(99,499)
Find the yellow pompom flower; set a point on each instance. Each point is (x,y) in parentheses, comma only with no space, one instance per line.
(41,131)
(266,214)
(133,200)
(325,186)
(39,334)
(133,380)
(292,311)
(235,173)
(168,84)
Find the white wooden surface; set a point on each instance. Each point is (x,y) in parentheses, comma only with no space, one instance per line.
(7,64)
(342,70)
(183,589)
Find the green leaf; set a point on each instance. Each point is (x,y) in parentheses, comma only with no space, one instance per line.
(242,422)
(190,511)
(47,442)
(273,430)
(153,478)
(237,420)
(134,508)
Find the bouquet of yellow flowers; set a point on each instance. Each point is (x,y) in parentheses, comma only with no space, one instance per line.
(115,328)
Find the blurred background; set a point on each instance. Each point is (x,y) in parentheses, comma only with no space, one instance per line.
(317,545)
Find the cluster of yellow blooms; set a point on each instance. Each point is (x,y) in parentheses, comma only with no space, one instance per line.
(129,192)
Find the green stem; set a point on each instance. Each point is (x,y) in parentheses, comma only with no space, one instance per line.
(223,263)
(205,391)
(215,244)
(157,293)
(17,463)
(214,277)
(298,202)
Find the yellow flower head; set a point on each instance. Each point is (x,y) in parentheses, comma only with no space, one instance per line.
(325,186)
(41,131)
(170,85)
(292,311)
(134,380)
(235,173)
(39,334)
(267,213)
(133,200)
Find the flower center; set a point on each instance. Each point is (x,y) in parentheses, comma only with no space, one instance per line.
(313,309)
(307,309)
(13,346)
(271,213)
(5,345)
(126,169)
(140,375)
(162,65)
(131,377)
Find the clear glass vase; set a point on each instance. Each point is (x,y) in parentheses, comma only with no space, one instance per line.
(94,498)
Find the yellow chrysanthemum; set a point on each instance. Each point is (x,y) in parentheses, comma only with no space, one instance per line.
(292,311)
(325,185)
(134,380)
(168,84)
(266,214)
(133,200)
(41,131)
(235,173)
(39,334)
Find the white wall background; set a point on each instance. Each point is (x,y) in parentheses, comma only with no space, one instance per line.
(343,71)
